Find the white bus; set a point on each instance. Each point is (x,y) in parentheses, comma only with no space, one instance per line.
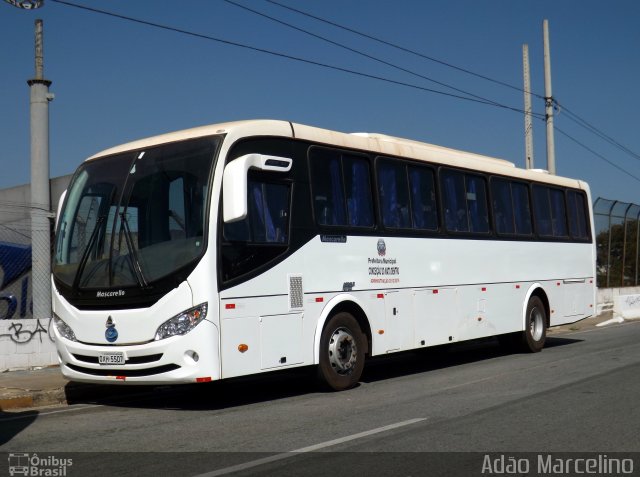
(248,247)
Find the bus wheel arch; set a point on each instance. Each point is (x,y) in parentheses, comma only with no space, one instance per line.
(536,320)
(343,342)
(541,294)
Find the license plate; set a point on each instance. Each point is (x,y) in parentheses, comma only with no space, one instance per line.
(113,357)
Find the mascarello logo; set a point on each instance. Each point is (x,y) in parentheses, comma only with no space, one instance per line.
(107,294)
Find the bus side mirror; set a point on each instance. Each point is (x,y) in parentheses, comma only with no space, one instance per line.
(234,182)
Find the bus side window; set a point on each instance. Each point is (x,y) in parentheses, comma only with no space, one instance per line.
(358,190)
(502,206)
(394,197)
(267,215)
(477,204)
(521,208)
(558,213)
(341,188)
(542,211)
(577,215)
(423,198)
(328,190)
(455,201)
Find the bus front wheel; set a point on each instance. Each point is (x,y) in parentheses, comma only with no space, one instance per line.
(342,350)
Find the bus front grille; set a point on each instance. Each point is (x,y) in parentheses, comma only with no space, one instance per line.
(129,373)
(151,358)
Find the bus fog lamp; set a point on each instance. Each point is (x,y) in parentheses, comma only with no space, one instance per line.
(64,329)
(182,323)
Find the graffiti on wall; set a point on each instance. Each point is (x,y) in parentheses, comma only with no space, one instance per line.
(21,332)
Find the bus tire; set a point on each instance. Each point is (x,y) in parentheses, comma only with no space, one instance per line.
(342,352)
(535,326)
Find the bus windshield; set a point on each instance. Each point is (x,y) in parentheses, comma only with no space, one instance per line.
(135,217)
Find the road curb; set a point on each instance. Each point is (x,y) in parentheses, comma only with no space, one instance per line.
(71,393)
(28,399)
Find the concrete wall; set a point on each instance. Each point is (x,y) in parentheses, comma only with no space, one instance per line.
(607,296)
(26,344)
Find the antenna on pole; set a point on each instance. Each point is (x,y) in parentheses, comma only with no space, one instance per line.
(528,122)
(548,100)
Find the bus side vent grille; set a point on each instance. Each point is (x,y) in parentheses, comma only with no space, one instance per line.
(295,292)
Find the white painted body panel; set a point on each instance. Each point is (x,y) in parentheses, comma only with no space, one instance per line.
(445,291)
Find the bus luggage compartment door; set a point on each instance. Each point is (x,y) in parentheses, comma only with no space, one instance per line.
(435,311)
(399,329)
(281,340)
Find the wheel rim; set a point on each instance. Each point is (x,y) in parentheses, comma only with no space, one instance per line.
(343,351)
(536,324)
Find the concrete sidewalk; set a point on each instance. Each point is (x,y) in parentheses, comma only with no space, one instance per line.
(47,387)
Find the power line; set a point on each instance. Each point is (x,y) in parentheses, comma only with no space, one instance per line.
(572,116)
(366,55)
(597,154)
(589,127)
(405,49)
(282,55)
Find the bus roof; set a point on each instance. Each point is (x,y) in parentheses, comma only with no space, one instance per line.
(370,142)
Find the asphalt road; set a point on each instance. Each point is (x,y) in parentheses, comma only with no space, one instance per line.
(443,410)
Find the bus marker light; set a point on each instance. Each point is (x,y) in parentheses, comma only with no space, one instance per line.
(380,332)
(435,292)
(484,289)
(203,380)
(123,378)
(230,306)
(558,284)
(380,295)
(479,318)
(243,348)
(517,287)
(319,299)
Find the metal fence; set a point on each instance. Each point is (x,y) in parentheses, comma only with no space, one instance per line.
(16,288)
(617,239)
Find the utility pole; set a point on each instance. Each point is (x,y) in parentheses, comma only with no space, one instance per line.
(528,122)
(548,100)
(40,194)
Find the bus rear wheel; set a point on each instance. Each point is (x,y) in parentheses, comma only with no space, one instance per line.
(532,339)
(535,326)
(342,351)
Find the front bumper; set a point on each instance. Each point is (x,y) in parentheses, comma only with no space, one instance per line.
(189,358)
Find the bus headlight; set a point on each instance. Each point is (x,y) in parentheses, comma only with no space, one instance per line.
(64,329)
(183,323)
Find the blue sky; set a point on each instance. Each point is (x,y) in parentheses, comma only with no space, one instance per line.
(116,81)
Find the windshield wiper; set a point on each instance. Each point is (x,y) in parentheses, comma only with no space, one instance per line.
(133,254)
(87,251)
